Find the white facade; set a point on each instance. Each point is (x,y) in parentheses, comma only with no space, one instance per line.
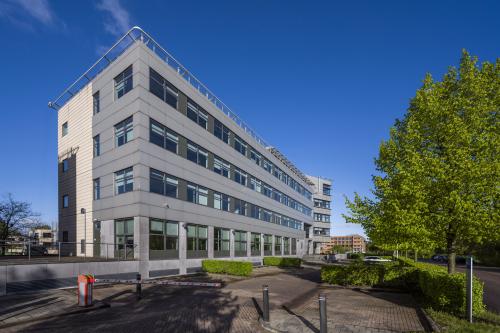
(322,198)
(133,152)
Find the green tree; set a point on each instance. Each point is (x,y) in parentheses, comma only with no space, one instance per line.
(439,172)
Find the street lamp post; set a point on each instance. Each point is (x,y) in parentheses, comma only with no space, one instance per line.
(84,240)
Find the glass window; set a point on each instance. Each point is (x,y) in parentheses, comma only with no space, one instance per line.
(226,202)
(162,183)
(217,200)
(97,189)
(268,166)
(65,201)
(240,145)
(96,103)
(64,129)
(162,136)
(240,177)
(123,82)
(286,245)
(65,165)
(266,215)
(321,203)
(197,241)
(268,192)
(255,244)
(97,145)
(221,242)
(124,238)
(240,207)
(196,114)
(124,181)
(255,156)
(277,245)
(163,239)
(255,212)
(240,243)
(256,184)
(124,132)
(221,131)
(197,194)
(268,245)
(163,89)
(197,154)
(326,189)
(294,246)
(221,167)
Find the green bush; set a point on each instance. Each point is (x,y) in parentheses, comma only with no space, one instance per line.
(355,256)
(443,291)
(362,274)
(241,268)
(282,261)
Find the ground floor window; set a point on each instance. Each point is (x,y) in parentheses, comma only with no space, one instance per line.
(268,245)
(277,245)
(124,238)
(221,242)
(286,245)
(163,239)
(294,246)
(197,241)
(240,243)
(255,244)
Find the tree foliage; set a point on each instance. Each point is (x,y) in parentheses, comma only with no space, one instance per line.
(439,172)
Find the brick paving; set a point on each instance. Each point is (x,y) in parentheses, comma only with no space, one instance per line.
(234,308)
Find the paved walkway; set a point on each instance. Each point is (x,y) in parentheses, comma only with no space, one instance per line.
(233,308)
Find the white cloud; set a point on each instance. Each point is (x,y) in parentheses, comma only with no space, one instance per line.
(118,20)
(22,12)
(39,9)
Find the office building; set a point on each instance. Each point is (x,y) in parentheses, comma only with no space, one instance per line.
(319,233)
(154,167)
(351,243)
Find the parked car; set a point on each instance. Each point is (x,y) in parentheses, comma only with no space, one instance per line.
(35,250)
(439,258)
(375,259)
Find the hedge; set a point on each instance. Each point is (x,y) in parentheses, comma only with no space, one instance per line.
(241,268)
(442,291)
(362,274)
(282,261)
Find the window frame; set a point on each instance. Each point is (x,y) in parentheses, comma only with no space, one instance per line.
(96,188)
(96,145)
(126,177)
(197,252)
(122,130)
(123,82)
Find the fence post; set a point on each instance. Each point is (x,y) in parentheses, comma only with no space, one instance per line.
(265,303)
(138,287)
(59,250)
(322,314)
(470,279)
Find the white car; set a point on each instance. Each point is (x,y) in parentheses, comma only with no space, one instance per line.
(375,259)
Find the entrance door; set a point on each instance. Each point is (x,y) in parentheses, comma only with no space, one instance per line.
(97,239)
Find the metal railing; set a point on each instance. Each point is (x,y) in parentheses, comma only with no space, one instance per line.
(136,34)
(31,250)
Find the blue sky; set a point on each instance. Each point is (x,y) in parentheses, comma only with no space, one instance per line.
(321,80)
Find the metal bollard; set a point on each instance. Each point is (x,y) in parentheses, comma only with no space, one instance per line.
(470,279)
(59,250)
(138,287)
(322,314)
(265,303)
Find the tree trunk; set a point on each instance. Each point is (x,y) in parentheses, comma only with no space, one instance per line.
(451,262)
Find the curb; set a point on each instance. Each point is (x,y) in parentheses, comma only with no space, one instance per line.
(97,306)
(432,324)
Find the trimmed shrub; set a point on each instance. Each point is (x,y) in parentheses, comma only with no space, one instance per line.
(362,274)
(442,291)
(282,261)
(240,268)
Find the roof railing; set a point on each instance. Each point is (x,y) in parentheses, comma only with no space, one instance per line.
(136,34)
